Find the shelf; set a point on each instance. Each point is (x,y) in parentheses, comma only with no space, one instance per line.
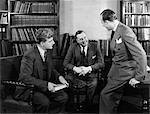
(136,13)
(35,0)
(24,18)
(139,26)
(41,14)
(3,11)
(23,42)
(43,25)
(4,24)
(144,40)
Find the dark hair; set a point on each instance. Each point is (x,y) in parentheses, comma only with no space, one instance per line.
(78,32)
(108,15)
(42,34)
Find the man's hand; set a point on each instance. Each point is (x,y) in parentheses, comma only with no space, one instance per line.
(63,81)
(51,86)
(148,68)
(85,70)
(77,69)
(133,81)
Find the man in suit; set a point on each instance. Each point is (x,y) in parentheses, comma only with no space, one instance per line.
(38,70)
(129,62)
(83,60)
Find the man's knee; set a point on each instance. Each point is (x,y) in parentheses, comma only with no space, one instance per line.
(63,98)
(93,83)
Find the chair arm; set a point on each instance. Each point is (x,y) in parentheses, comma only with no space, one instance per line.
(16,83)
(21,84)
(142,86)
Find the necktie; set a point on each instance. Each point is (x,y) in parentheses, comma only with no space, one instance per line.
(83,51)
(112,34)
(109,50)
(45,55)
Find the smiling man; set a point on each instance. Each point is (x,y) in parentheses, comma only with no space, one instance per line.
(83,60)
(37,69)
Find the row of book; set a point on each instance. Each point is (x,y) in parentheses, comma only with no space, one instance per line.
(33,7)
(146,46)
(25,34)
(137,7)
(137,20)
(19,49)
(142,33)
(33,20)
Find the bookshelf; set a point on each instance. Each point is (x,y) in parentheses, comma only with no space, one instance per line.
(136,14)
(5,45)
(26,16)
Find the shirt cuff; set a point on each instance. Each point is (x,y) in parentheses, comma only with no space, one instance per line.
(90,69)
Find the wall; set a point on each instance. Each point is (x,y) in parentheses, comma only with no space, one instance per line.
(84,14)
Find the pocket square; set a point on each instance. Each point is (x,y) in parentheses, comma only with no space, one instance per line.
(93,57)
(118,41)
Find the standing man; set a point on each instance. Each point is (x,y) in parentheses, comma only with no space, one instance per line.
(83,60)
(128,63)
(37,69)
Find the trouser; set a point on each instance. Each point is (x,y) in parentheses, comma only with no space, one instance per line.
(110,96)
(89,82)
(50,102)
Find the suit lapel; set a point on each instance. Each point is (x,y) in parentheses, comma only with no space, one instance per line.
(49,63)
(89,52)
(39,63)
(116,36)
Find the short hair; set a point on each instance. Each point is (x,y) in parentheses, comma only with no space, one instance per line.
(78,32)
(42,34)
(108,15)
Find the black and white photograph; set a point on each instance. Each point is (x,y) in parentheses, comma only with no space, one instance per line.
(75,56)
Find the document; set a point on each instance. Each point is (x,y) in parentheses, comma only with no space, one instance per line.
(60,86)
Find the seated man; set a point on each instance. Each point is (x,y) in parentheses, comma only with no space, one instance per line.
(82,60)
(37,69)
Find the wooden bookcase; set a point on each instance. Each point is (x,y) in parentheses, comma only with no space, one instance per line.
(26,16)
(136,14)
(5,45)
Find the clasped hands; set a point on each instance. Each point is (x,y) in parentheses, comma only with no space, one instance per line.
(82,70)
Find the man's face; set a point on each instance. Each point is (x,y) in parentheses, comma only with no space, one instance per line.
(82,39)
(107,24)
(48,44)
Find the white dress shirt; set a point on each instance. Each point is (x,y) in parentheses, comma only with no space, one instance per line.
(42,51)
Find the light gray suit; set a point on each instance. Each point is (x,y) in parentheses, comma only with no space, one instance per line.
(129,61)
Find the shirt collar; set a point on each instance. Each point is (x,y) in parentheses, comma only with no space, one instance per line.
(85,49)
(116,25)
(42,51)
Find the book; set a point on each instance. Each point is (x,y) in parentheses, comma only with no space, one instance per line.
(60,86)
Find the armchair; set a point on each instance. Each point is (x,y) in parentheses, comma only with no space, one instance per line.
(9,74)
(136,98)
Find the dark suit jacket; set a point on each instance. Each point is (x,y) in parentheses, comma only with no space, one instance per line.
(31,72)
(73,57)
(129,59)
